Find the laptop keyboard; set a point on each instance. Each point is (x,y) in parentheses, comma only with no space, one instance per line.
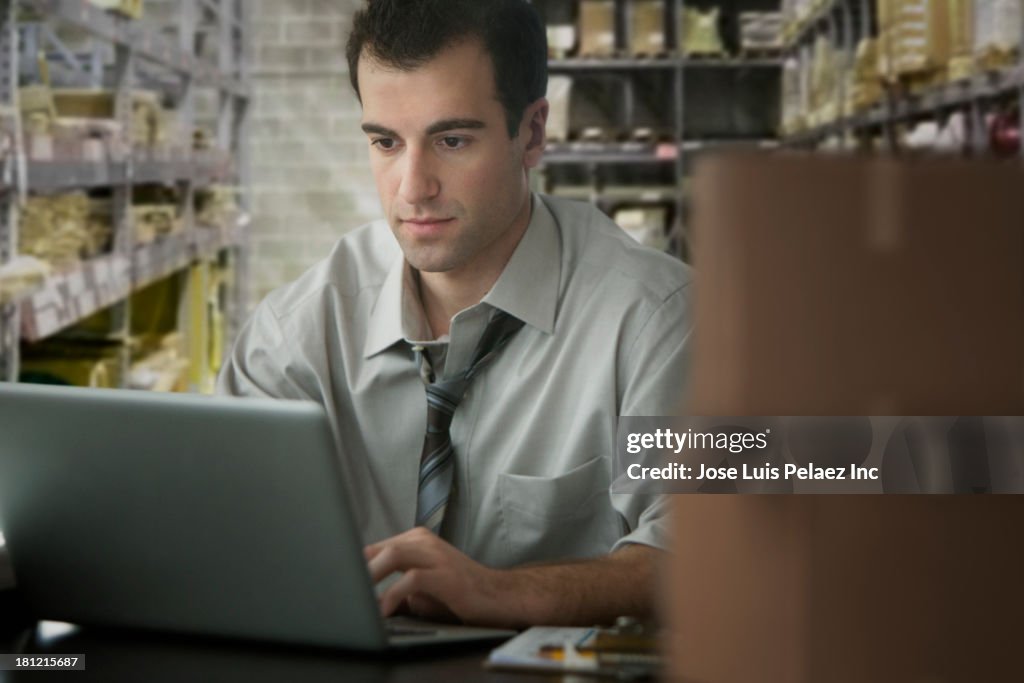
(410,631)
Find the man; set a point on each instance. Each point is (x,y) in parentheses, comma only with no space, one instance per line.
(575,324)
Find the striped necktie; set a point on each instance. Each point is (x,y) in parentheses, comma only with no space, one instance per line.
(437,465)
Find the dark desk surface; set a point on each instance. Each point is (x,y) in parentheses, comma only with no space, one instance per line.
(116,655)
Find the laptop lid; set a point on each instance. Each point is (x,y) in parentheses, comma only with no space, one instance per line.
(184,513)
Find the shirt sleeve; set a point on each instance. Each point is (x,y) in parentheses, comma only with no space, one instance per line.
(261,361)
(656,380)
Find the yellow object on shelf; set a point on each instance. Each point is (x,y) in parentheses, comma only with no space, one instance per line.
(914,38)
(961,39)
(129,8)
(153,221)
(37,109)
(597,28)
(68,362)
(647,27)
(699,32)
(60,230)
(148,119)
(865,85)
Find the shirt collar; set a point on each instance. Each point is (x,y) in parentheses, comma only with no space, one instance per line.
(527,288)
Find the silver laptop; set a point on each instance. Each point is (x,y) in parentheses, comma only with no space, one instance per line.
(190,514)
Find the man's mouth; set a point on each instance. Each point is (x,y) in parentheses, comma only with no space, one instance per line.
(427,227)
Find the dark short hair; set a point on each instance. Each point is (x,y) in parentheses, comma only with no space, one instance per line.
(406,34)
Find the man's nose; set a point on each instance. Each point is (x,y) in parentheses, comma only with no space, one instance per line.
(419,178)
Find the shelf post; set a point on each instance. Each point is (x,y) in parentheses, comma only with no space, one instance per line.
(124,227)
(10,315)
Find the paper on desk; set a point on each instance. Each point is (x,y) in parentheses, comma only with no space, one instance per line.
(525,650)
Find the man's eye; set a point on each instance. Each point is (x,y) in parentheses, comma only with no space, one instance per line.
(385,144)
(452,142)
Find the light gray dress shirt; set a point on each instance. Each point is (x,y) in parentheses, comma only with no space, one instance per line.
(606,329)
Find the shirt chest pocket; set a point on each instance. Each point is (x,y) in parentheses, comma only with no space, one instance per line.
(566,516)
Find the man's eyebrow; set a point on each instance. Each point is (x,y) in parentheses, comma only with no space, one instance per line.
(379,130)
(454,124)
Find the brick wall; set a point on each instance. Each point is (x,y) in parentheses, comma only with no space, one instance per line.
(310,171)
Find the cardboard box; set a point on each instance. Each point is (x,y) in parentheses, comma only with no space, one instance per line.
(647,27)
(852,286)
(846,589)
(858,286)
(597,28)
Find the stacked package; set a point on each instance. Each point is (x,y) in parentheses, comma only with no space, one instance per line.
(699,32)
(645,224)
(597,28)
(914,40)
(824,106)
(216,207)
(864,85)
(37,109)
(561,40)
(761,31)
(149,121)
(559,95)
(997,30)
(961,39)
(62,229)
(129,8)
(647,27)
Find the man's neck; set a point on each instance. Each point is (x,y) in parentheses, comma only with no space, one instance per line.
(443,295)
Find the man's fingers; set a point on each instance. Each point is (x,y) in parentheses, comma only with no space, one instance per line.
(414,581)
(401,553)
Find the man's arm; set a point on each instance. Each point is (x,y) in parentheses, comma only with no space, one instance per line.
(439,581)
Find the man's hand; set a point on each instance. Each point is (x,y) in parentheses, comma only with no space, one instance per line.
(440,582)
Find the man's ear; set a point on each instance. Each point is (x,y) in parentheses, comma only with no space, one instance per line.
(533,130)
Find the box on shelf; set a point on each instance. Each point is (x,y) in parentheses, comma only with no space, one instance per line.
(561,40)
(699,33)
(21,274)
(914,39)
(961,39)
(997,29)
(37,108)
(149,123)
(864,87)
(761,31)
(646,28)
(645,224)
(597,28)
(61,229)
(559,96)
(129,8)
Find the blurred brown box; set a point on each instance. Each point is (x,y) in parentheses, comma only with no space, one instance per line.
(858,286)
(851,286)
(597,28)
(647,27)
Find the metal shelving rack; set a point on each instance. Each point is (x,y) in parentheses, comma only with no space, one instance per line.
(854,20)
(595,157)
(111,278)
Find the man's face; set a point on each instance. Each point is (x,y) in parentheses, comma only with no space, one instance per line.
(451,181)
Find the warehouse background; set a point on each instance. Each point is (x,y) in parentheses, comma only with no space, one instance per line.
(166,163)
(311,176)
